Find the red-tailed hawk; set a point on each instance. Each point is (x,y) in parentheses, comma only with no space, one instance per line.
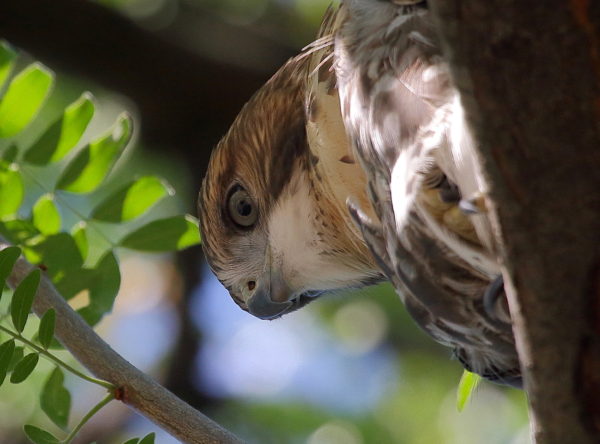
(354,164)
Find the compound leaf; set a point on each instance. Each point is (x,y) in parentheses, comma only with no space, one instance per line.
(7,61)
(23,299)
(39,436)
(62,136)
(8,258)
(46,217)
(173,233)
(93,163)
(24,98)
(11,189)
(46,329)
(148,439)
(7,350)
(468,383)
(24,368)
(132,200)
(55,399)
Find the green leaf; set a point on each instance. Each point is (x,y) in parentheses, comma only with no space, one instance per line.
(46,217)
(60,254)
(24,98)
(103,285)
(468,382)
(93,163)
(133,200)
(173,233)
(10,154)
(80,237)
(55,399)
(62,136)
(11,190)
(23,299)
(24,368)
(17,231)
(8,258)
(132,441)
(16,357)
(7,350)
(46,329)
(148,439)
(39,436)
(7,59)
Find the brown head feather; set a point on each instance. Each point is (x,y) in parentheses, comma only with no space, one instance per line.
(259,152)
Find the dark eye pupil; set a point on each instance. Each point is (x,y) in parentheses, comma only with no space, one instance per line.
(244,208)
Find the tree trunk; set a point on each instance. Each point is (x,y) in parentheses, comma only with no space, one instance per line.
(529,74)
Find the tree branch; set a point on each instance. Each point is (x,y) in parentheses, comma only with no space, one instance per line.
(529,74)
(141,392)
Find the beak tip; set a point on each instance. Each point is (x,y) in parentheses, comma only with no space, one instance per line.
(261,306)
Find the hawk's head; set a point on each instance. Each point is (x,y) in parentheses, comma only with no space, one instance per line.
(273,232)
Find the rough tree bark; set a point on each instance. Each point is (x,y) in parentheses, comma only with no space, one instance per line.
(529,73)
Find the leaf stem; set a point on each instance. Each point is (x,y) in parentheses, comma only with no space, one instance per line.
(109,397)
(56,360)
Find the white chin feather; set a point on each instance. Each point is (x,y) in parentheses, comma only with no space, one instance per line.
(297,248)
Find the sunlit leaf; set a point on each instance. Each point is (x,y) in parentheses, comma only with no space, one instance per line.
(55,399)
(468,383)
(23,99)
(8,258)
(103,287)
(79,235)
(173,233)
(23,299)
(133,200)
(132,441)
(7,58)
(46,329)
(39,436)
(62,136)
(11,190)
(7,350)
(93,163)
(148,439)
(24,368)
(46,217)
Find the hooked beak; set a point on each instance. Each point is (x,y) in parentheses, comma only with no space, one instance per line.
(271,298)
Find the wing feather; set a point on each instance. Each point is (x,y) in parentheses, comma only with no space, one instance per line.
(404,119)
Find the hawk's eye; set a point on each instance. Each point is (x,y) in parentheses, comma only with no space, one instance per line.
(241,207)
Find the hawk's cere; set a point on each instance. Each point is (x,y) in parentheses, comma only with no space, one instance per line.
(354,164)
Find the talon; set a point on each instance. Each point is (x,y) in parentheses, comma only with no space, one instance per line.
(494,302)
(473,205)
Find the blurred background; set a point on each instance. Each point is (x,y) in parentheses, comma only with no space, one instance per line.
(349,369)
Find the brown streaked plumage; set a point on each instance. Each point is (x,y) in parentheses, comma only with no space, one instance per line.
(359,144)
(405,120)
